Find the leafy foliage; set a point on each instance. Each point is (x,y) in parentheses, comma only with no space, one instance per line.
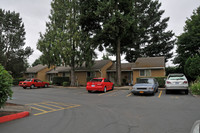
(132,27)
(64,42)
(60,80)
(195,87)
(188,44)
(12,36)
(192,67)
(37,62)
(5,86)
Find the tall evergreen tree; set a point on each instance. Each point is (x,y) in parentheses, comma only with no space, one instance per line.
(132,27)
(62,42)
(12,37)
(188,44)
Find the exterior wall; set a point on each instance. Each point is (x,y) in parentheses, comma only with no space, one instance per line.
(154,73)
(98,74)
(126,78)
(81,78)
(42,74)
(104,69)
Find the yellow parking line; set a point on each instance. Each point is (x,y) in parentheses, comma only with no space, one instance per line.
(129,95)
(160,94)
(44,107)
(54,105)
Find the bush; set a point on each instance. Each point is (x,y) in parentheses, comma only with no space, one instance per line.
(17,80)
(60,80)
(195,88)
(161,81)
(5,86)
(66,84)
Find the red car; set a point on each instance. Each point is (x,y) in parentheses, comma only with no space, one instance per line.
(99,84)
(33,83)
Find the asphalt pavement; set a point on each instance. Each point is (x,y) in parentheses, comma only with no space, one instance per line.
(74,110)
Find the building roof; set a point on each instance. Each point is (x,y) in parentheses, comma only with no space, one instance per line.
(124,67)
(98,64)
(36,69)
(149,62)
(59,69)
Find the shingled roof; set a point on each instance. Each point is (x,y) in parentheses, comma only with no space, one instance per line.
(124,67)
(36,69)
(149,62)
(98,64)
(59,69)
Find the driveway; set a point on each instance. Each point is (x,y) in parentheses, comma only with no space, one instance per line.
(61,110)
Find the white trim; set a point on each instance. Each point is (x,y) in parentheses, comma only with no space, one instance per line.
(148,68)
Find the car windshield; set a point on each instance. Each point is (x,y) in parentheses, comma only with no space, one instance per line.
(28,80)
(96,80)
(145,81)
(176,77)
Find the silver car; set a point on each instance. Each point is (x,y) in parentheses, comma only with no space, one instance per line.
(176,82)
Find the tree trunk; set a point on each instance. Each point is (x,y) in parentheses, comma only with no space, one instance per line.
(73,76)
(118,62)
(73,65)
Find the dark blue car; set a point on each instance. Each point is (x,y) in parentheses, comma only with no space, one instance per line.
(145,86)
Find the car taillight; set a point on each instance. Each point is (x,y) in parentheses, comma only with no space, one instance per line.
(99,84)
(185,82)
(168,82)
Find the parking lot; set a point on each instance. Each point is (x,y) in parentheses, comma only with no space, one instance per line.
(74,110)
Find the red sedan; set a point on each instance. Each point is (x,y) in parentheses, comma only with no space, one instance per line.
(33,83)
(99,84)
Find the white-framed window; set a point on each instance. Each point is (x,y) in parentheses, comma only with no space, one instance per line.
(145,73)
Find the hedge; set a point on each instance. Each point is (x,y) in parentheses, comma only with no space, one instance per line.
(161,80)
(60,80)
(66,84)
(17,80)
(5,86)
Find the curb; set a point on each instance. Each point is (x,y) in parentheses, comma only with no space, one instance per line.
(13,116)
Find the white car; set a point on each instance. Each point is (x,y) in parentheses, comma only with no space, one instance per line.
(176,82)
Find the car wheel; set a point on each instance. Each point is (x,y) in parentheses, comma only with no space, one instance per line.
(46,85)
(186,92)
(166,91)
(105,89)
(24,87)
(89,91)
(32,86)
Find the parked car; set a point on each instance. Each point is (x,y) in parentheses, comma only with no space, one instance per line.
(176,82)
(99,84)
(33,83)
(145,86)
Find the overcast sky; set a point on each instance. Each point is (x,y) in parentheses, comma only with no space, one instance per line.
(34,14)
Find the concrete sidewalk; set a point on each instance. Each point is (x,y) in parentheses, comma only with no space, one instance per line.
(84,87)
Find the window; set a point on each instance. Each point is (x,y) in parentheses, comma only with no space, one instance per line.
(145,73)
(90,74)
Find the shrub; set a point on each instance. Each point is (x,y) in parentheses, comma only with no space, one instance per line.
(60,80)
(195,88)
(66,84)
(17,80)
(5,86)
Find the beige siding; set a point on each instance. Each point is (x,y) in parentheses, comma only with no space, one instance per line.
(81,78)
(104,69)
(42,74)
(154,73)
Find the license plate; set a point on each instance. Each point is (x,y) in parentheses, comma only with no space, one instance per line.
(93,85)
(141,92)
(177,83)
